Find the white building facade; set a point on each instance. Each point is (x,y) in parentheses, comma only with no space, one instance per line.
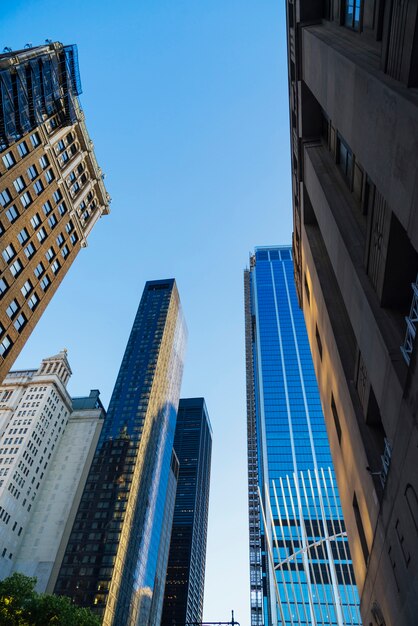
(47,441)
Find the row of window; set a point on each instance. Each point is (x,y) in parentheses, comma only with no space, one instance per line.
(9,159)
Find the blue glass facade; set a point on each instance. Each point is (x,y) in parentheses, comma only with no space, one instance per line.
(183,596)
(114,558)
(301,570)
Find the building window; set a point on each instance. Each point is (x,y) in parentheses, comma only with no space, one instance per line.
(35,220)
(33,301)
(5,346)
(25,199)
(352,11)
(360,529)
(336,418)
(26,288)
(38,187)
(307,291)
(49,176)
(43,161)
(39,270)
(60,240)
(69,226)
(345,161)
(62,209)
(8,253)
(47,208)
(19,184)
(29,250)
(35,140)
(57,195)
(5,197)
(318,341)
(22,149)
(8,160)
(23,236)
(60,145)
(65,252)
(45,282)
(16,267)
(412,501)
(74,238)
(50,253)
(52,221)
(55,266)
(19,322)
(32,172)
(12,214)
(12,309)
(3,286)
(41,234)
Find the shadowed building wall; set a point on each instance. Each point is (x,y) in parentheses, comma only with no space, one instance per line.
(353,78)
(184,589)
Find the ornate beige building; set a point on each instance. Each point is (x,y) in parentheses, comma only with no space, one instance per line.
(353,78)
(51,187)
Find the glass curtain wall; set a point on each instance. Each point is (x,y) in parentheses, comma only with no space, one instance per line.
(301,570)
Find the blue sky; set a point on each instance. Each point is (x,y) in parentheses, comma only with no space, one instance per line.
(186,102)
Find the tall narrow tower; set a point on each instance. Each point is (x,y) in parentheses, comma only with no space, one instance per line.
(51,187)
(113,561)
(184,588)
(300,564)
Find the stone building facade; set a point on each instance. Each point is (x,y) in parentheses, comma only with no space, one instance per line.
(51,187)
(353,73)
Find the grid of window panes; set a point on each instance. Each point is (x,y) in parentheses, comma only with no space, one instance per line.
(123,503)
(183,597)
(315,581)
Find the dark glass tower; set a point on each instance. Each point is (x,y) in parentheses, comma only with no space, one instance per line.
(183,597)
(115,554)
(300,566)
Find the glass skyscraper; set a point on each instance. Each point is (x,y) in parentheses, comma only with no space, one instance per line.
(300,565)
(183,597)
(117,553)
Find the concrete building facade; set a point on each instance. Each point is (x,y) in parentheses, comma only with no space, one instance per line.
(43,546)
(51,187)
(353,70)
(47,441)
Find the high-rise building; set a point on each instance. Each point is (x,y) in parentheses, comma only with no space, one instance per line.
(117,553)
(353,74)
(300,564)
(44,542)
(51,188)
(184,587)
(46,445)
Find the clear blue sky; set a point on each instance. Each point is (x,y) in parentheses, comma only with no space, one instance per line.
(186,102)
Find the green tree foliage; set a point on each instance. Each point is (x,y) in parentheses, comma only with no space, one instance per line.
(20,605)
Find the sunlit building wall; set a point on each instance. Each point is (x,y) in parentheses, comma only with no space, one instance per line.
(300,565)
(51,187)
(113,562)
(47,441)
